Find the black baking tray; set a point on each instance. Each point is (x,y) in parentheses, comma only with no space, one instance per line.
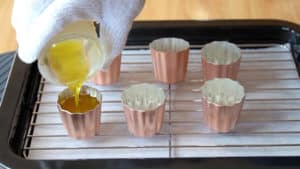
(6,61)
(23,81)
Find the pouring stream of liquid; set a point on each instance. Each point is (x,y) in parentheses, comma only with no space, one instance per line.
(70,64)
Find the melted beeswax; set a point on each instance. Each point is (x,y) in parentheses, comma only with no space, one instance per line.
(86,103)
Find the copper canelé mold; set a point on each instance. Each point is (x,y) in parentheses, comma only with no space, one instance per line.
(144,107)
(222,102)
(81,125)
(220,59)
(109,76)
(169,59)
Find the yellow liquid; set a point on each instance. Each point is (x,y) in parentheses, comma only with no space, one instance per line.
(68,61)
(86,103)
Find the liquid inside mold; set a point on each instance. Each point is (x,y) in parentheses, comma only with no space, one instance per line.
(86,103)
(143,97)
(221,52)
(223,91)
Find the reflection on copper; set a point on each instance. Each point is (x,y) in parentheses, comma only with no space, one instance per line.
(211,70)
(170,66)
(144,123)
(109,76)
(221,119)
(84,124)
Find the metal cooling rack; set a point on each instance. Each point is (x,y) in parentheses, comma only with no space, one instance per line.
(269,124)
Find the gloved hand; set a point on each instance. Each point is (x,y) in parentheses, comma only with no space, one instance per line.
(37,21)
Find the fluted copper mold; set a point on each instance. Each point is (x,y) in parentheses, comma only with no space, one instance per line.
(146,120)
(220,59)
(109,76)
(222,102)
(81,125)
(170,59)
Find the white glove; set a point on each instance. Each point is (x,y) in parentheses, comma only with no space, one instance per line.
(37,21)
